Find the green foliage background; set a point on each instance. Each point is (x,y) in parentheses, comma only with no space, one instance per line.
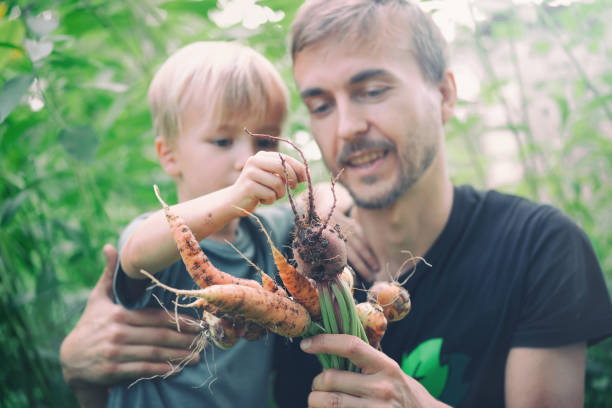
(77,159)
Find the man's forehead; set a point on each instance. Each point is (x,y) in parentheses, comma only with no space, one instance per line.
(349,64)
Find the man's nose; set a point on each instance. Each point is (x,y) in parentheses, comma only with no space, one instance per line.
(351,120)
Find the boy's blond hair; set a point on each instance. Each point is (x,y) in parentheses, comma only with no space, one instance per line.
(225,80)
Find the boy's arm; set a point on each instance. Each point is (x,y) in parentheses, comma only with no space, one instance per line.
(262,180)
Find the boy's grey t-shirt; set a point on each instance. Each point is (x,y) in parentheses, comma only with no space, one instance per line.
(238,377)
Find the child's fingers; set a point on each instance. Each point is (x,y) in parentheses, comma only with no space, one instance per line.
(268,162)
(266,186)
(295,169)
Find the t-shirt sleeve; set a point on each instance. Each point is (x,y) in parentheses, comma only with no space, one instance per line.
(280,222)
(130,293)
(565,297)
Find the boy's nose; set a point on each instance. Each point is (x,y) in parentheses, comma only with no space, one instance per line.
(244,150)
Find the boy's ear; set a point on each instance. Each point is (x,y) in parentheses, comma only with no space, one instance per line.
(448,90)
(167,157)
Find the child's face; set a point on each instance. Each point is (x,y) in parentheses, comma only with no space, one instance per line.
(210,155)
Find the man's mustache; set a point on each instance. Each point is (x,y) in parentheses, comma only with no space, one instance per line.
(362,145)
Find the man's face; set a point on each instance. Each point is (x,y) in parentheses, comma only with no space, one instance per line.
(372,114)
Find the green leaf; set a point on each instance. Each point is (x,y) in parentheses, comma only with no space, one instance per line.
(200,8)
(563,106)
(423,364)
(12,91)
(12,32)
(80,142)
(10,206)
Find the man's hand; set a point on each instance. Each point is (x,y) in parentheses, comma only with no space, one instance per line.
(110,343)
(381,382)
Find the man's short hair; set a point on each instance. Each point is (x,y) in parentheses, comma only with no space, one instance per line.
(225,80)
(359,23)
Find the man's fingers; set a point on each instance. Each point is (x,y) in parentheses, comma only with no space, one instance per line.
(140,353)
(361,354)
(346,382)
(323,399)
(359,243)
(105,283)
(363,264)
(163,337)
(359,266)
(157,318)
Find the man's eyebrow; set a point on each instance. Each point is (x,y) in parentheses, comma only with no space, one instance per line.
(367,74)
(309,92)
(355,79)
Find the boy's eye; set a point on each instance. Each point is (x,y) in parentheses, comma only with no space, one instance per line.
(266,144)
(222,142)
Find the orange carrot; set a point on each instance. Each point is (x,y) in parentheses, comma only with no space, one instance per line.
(266,281)
(202,271)
(394,299)
(270,286)
(276,313)
(373,320)
(298,285)
(253,331)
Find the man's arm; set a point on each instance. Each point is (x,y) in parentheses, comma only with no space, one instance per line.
(110,343)
(546,377)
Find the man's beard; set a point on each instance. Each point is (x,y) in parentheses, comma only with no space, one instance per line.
(406,179)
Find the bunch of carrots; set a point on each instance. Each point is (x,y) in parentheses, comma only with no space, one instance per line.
(319,298)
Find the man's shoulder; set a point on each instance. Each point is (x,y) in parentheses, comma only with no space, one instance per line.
(509,207)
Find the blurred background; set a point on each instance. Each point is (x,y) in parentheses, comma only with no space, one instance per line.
(76,145)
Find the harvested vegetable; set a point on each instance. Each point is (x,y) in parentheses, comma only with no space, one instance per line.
(297,284)
(202,271)
(276,313)
(394,299)
(319,250)
(374,322)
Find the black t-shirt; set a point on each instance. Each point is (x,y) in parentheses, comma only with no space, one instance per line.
(505,272)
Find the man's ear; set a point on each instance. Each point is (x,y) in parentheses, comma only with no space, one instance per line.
(448,90)
(167,159)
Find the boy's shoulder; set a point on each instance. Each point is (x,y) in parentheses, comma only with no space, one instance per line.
(129,229)
(277,219)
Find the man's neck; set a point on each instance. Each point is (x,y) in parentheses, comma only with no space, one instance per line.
(412,223)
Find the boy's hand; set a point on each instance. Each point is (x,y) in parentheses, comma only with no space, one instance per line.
(110,343)
(262,180)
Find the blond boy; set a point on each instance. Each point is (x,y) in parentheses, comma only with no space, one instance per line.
(201,100)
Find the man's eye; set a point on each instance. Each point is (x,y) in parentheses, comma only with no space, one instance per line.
(319,108)
(373,93)
(222,142)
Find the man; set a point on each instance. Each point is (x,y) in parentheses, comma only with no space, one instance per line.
(514,293)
